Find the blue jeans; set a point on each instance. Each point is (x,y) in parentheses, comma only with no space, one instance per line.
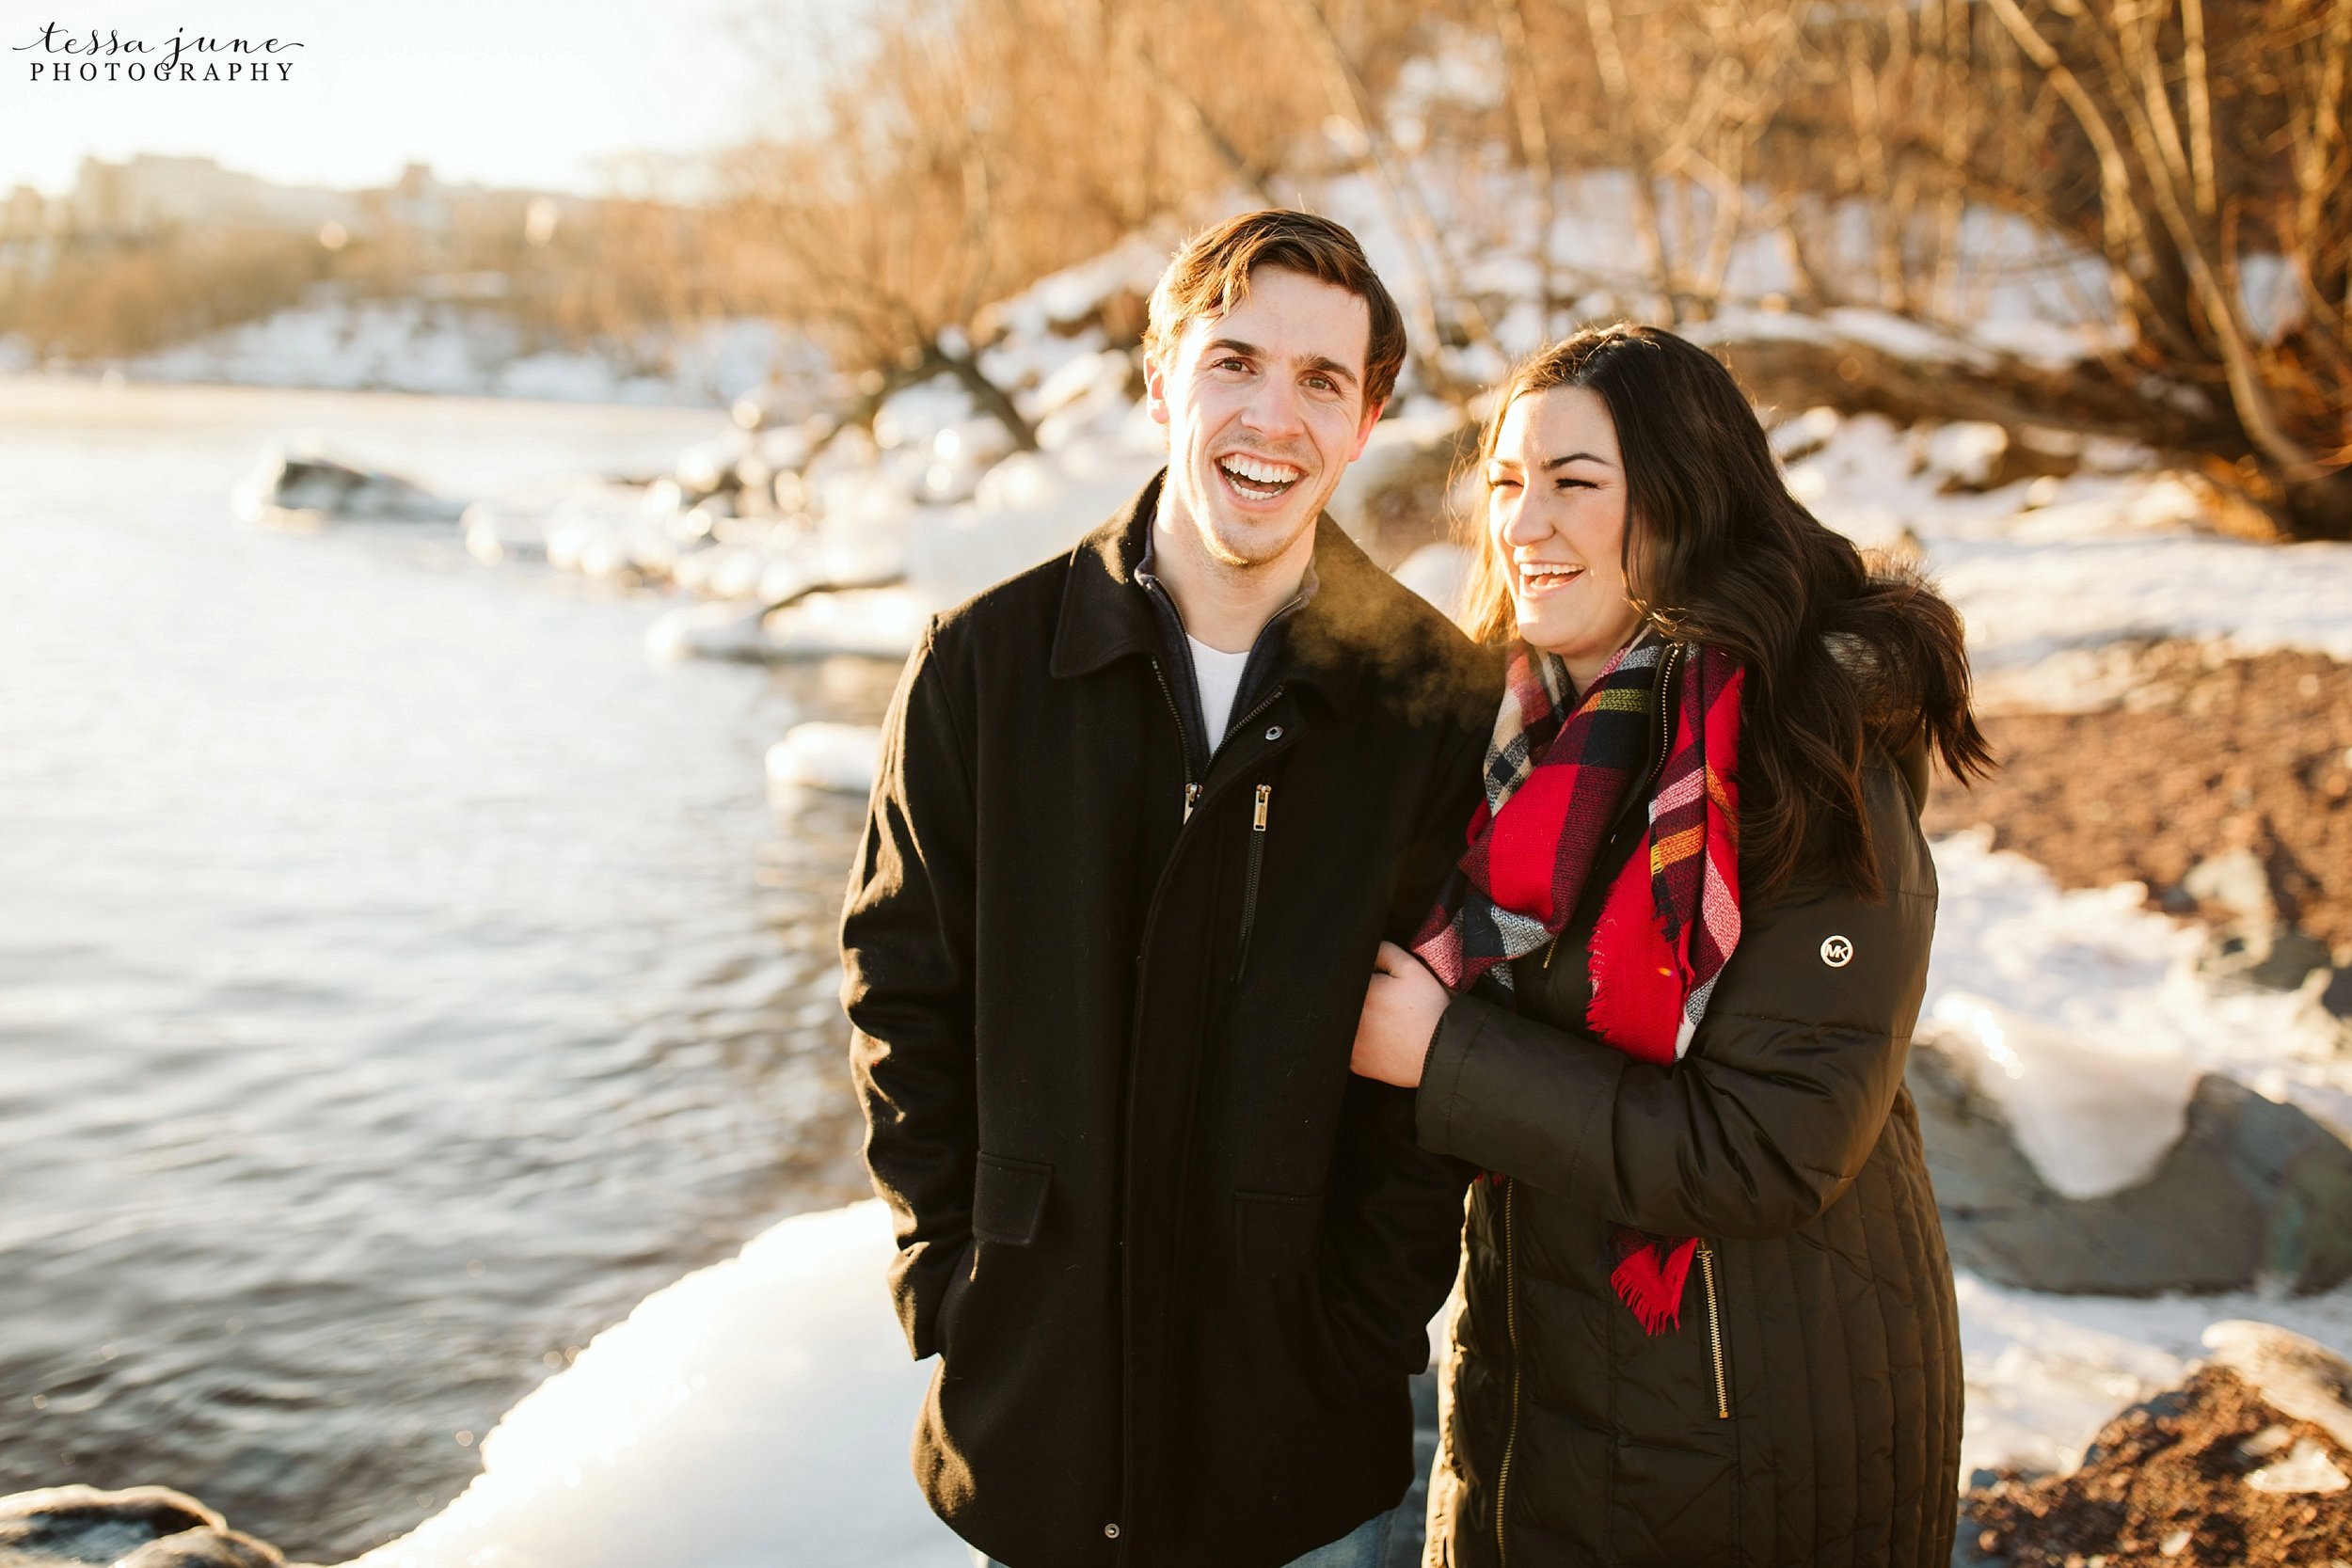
(1361,1547)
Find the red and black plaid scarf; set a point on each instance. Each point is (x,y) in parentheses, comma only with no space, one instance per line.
(1555,782)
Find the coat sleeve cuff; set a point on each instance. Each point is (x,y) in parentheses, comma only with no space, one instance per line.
(1450,1050)
(1514,1096)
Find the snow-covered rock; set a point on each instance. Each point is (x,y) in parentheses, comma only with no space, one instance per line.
(415,345)
(841,758)
(301,490)
(2249,1193)
(723,628)
(2103,1114)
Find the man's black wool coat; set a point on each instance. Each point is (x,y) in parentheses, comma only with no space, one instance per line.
(1175,1261)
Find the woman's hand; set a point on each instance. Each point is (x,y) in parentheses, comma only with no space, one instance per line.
(1401,1012)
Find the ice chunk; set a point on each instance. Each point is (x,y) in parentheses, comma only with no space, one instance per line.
(837,757)
(1966,453)
(2091,1020)
(2092,1121)
(756,1412)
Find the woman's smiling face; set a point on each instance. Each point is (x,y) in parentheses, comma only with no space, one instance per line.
(1556,521)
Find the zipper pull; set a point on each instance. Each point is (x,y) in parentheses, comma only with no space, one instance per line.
(1257,823)
(1192,799)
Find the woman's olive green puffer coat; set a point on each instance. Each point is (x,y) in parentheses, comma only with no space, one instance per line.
(1807,1413)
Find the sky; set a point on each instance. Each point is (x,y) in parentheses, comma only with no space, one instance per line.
(510,92)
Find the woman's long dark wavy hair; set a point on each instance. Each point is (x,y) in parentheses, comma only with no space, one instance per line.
(1841,656)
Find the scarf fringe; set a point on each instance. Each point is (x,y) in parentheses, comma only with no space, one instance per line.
(1651,1278)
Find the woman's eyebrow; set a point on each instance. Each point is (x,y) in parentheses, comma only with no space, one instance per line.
(1576,457)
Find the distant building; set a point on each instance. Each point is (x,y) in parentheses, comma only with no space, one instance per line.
(440,228)
(151,192)
(29,214)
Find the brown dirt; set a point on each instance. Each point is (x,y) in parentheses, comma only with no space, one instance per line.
(2168,1474)
(2202,755)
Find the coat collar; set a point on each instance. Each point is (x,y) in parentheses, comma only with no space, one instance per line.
(1106,617)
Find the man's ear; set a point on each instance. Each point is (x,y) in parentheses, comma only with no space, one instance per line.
(1155,389)
(1363,434)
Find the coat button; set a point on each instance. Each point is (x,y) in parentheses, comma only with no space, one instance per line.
(1837,952)
(1110,1532)
(1273,732)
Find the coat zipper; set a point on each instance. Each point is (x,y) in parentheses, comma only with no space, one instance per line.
(1192,786)
(1249,887)
(1715,1332)
(1511,1326)
(1183,738)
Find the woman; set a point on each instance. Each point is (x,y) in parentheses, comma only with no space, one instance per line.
(1666,1002)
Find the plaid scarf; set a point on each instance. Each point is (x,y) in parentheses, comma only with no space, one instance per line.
(1555,782)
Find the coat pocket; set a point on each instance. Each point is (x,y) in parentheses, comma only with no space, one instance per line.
(1008,1199)
(1275,1234)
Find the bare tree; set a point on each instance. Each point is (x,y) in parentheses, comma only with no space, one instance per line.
(2222,212)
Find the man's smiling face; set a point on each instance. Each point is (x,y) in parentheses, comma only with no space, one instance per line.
(1265,408)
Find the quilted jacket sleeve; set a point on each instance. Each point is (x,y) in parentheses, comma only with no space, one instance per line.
(1772,1111)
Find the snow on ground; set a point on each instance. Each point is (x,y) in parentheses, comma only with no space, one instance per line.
(2092,1024)
(2047,573)
(413,345)
(2047,570)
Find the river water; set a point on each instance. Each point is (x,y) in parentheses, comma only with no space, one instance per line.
(400,974)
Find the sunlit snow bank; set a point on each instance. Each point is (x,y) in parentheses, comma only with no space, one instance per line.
(1027,509)
(2093,1023)
(409,345)
(755,1412)
(2048,569)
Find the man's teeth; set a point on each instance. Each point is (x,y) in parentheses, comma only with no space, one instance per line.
(1261,478)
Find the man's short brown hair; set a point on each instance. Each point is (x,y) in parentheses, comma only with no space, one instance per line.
(1211,275)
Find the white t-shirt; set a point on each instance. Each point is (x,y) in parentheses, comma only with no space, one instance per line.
(1220,678)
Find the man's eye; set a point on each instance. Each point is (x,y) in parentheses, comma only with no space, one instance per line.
(1321,384)
(1232,362)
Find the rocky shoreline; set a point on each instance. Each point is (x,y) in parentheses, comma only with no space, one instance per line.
(2247,1462)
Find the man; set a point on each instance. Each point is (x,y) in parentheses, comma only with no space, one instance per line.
(1144,813)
